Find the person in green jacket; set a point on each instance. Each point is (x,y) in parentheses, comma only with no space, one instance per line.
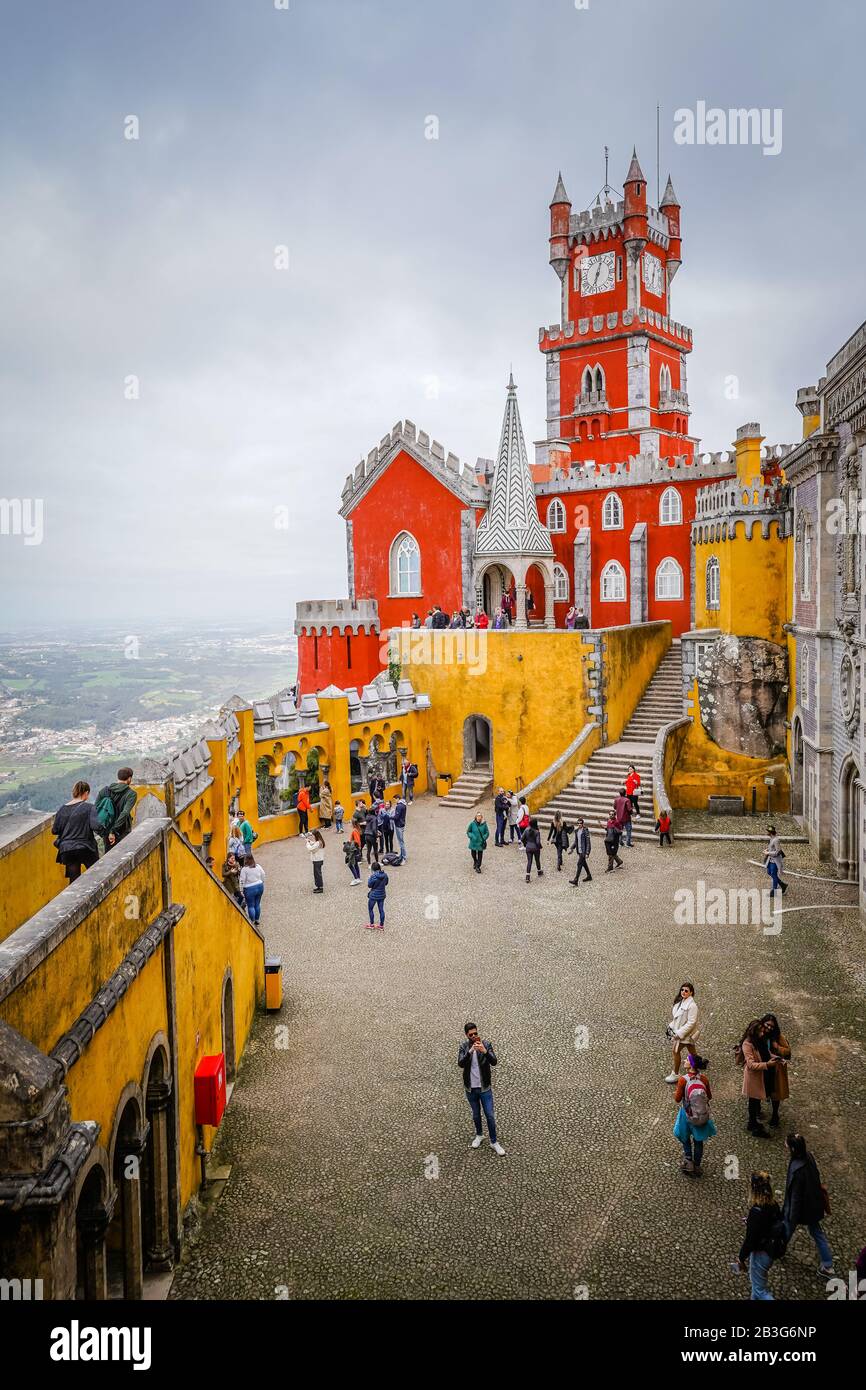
(477,834)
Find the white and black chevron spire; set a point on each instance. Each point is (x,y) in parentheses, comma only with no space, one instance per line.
(511,525)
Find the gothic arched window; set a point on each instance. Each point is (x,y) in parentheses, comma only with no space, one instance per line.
(806,572)
(405,565)
(560,585)
(669,579)
(587,381)
(611,513)
(714,582)
(613,582)
(670,508)
(599,381)
(556,516)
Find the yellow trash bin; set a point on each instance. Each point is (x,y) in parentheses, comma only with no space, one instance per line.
(443,784)
(273,983)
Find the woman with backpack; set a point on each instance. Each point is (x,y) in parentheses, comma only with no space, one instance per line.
(806,1200)
(316,847)
(684,1026)
(765,1236)
(75,828)
(694,1124)
(523,821)
(532,845)
(559,832)
(755,1067)
(478,834)
(776,1080)
(773,857)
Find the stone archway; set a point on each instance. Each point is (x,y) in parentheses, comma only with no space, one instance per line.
(850,792)
(157,1161)
(797,770)
(477,743)
(93,1211)
(125,1264)
(495,581)
(228,1026)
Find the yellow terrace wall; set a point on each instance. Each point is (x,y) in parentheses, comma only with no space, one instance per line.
(754,583)
(29,873)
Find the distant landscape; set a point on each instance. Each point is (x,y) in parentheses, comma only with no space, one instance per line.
(78,705)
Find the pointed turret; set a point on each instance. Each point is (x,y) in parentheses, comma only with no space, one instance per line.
(669,198)
(670,208)
(635,172)
(511,526)
(560,211)
(635,225)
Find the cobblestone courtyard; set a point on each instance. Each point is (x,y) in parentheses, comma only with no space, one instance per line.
(334,1123)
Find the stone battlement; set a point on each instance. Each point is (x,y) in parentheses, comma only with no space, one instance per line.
(636,471)
(459,476)
(607,219)
(557,335)
(344,614)
(725,500)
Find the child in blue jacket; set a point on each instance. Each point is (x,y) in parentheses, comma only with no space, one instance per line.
(376,884)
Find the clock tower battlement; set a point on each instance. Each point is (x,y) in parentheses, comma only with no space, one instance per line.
(616,365)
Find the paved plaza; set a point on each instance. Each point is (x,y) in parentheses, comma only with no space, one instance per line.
(350,1098)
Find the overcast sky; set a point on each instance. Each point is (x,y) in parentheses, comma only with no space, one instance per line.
(417,268)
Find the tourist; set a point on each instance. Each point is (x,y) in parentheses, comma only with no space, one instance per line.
(457,618)
(376,886)
(440,619)
(748,1056)
(500,807)
(776,1079)
(231,877)
(499,620)
(236,844)
(114,806)
(376,783)
(416,621)
(339,813)
(316,847)
(475,1058)
(477,833)
(532,845)
(570,619)
(371,834)
(481,620)
(773,856)
(400,826)
(504,610)
(385,826)
(252,887)
(622,816)
(514,814)
(663,827)
(353,853)
(762,1243)
(248,835)
(806,1200)
(428,621)
(558,832)
(694,1125)
(611,844)
(302,806)
(581,847)
(581,622)
(632,790)
(409,781)
(326,804)
(684,1025)
(75,827)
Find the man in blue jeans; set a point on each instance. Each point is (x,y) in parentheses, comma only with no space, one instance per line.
(475,1059)
(400,826)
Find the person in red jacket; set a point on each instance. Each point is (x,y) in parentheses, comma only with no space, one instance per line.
(632,789)
(663,826)
(481,619)
(303,809)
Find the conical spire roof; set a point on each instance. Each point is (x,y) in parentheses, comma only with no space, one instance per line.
(511,525)
(559,193)
(634,170)
(669,198)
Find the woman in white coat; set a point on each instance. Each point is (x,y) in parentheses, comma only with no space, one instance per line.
(683,1027)
(515,811)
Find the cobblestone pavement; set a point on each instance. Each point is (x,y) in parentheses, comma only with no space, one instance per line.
(335,1122)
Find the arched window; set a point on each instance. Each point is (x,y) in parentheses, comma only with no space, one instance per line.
(556,516)
(587,381)
(613,582)
(560,585)
(804,676)
(806,575)
(669,579)
(664,378)
(599,381)
(611,513)
(405,565)
(670,508)
(714,582)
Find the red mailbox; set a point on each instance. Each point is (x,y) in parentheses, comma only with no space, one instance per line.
(210,1090)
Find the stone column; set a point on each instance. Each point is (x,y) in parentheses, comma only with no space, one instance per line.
(93,1226)
(549,615)
(130,1210)
(637,588)
(159,1254)
(583,572)
(520,621)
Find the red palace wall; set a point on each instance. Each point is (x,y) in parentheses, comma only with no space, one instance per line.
(408,498)
(329,656)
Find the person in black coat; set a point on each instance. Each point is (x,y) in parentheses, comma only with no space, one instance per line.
(581,847)
(758,1249)
(371,834)
(532,845)
(611,844)
(500,806)
(559,832)
(75,827)
(804,1199)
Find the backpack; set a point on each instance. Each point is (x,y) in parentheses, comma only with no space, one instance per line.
(777,1242)
(697,1102)
(739,1055)
(106,812)
(392,860)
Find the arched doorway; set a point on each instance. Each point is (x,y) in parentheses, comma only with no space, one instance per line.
(797,767)
(92,1215)
(536,600)
(496,581)
(228,1028)
(850,791)
(123,1239)
(477,743)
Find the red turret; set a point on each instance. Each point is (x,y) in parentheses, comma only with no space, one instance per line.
(636,227)
(670,207)
(560,211)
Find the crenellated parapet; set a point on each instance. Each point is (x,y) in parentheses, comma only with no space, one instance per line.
(326,615)
(637,471)
(556,336)
(721,507)
(460,477)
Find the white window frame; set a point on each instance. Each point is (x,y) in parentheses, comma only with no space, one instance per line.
(713,588)
(614,501)
(561,588)
(671,494)
(556,516)
(669,598)
(613,569)
(394,566)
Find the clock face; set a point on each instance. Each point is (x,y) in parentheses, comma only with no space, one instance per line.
(597,273)
(653,275)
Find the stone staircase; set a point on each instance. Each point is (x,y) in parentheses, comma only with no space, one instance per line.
(468,789)
(598,781)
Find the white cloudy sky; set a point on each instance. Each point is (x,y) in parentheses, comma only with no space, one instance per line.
(409,258)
